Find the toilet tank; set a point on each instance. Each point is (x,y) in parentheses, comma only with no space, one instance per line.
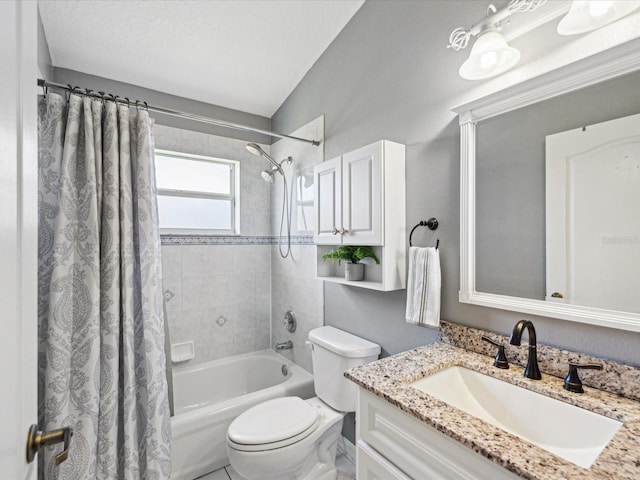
(333,352)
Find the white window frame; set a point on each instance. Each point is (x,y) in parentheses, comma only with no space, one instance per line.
(233,196)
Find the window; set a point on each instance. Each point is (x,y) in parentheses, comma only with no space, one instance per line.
(197,194)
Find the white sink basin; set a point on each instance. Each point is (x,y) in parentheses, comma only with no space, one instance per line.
(575,434)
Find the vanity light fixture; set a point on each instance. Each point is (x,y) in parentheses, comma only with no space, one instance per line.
(587,15)
(490,54)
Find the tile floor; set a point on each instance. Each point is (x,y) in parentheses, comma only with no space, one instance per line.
(346,471)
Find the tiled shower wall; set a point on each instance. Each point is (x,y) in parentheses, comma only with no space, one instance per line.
(229,295)
(219,295)
(220,298)
(293,282)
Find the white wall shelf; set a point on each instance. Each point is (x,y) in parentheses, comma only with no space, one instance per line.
(360,200)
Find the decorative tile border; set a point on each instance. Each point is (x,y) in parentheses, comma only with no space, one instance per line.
(233,240)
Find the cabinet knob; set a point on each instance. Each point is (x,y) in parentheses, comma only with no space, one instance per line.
(335,231)
(343,231)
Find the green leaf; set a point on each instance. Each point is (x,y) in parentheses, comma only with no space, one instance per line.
(350,254)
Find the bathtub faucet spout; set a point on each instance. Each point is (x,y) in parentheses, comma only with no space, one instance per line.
(288,345)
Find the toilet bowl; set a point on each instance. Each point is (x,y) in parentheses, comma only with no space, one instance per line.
(293,439)
(286,438)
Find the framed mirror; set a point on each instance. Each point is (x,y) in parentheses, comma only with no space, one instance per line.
(515,208)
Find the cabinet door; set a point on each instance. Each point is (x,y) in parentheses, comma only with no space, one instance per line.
(370,465)
(362,196)
(417,449)
(328,202)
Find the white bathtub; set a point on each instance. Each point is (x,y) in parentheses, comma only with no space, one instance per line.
(209,396)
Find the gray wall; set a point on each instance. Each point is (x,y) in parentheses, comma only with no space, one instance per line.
(389,76)
(154,97)
(510,181)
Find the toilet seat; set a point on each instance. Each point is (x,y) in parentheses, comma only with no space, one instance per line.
(273,424)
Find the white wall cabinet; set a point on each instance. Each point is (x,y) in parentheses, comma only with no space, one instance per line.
(392,444)
(360,200)
(349,195)
(328,202)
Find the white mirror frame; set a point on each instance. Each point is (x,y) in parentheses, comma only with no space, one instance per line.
(592,70)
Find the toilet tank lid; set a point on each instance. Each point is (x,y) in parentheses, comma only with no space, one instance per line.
(343,343)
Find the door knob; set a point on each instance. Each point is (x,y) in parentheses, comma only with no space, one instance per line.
(36,439)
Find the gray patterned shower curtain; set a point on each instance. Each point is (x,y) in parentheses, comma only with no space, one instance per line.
(101,339)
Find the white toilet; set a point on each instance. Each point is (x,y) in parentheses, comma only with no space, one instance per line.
(293,439)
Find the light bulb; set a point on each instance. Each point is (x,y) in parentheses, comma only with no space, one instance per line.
(587,15)
(488,60)
(490,56)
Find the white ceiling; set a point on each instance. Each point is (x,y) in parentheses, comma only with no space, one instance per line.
(247,55)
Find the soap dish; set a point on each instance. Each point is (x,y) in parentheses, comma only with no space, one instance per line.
(181,352)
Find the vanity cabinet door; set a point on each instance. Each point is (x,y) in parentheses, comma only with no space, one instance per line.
(370,465)
(417,449)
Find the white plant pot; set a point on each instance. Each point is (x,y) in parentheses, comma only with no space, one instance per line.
(354,271)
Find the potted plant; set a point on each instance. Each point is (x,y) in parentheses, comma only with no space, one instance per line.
(353,270)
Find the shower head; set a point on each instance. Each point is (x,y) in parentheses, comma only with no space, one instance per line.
(268,175)
(257,150)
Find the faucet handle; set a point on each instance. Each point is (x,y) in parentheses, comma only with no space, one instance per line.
(572,381)
(500,358)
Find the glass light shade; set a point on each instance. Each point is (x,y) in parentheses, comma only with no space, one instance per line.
(587,15)
(490,56)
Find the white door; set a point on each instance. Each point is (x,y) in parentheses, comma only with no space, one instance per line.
(18,234)
(328,202)
(362,196)
(593,215)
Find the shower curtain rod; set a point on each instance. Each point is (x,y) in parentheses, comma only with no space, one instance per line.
(175,113)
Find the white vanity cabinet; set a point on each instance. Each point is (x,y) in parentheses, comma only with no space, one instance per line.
(392,444)
(359,199)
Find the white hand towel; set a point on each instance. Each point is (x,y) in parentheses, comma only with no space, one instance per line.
(423,287)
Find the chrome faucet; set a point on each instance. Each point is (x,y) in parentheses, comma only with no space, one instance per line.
(288,345)
(531,371)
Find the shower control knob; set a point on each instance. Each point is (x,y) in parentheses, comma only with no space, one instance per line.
(290,322)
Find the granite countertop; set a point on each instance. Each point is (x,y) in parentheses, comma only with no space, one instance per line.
(388,378)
